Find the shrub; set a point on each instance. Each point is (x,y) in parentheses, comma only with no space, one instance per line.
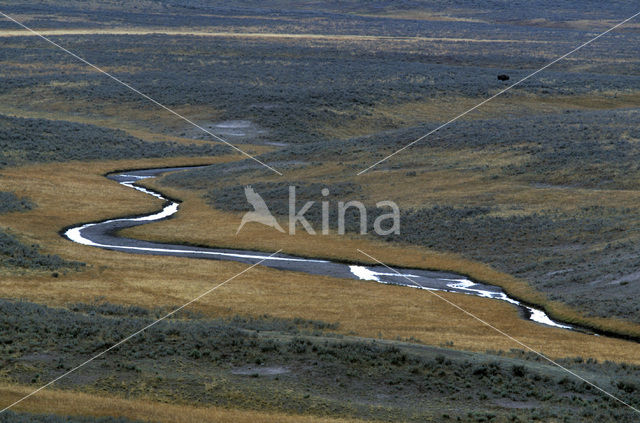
(9,202)
(14,253)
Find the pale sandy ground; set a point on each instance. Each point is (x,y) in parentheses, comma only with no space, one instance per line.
(184,32)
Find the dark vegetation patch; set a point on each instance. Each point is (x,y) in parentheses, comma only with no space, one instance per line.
(16,255)
(40,140)
(9,202)
(206,361)
(578,149)
(276,195)
(205,177)
(265,323)
(569,256)
(13,417)
(296,90)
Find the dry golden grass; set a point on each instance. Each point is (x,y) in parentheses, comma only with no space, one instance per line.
(68,403)
(77,192)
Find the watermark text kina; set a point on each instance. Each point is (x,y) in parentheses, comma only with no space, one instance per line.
(386,223)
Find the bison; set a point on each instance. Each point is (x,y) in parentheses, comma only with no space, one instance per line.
(503,77)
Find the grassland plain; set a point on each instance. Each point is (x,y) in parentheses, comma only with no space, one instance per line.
(294,365)
(513,196)
(151,281)
(396,82)
(118,278)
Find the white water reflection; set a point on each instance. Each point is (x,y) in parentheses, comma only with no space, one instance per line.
(463,286)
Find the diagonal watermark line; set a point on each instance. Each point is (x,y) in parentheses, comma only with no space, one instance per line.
(122,341)
(418,285)
(157,103)
(498,94)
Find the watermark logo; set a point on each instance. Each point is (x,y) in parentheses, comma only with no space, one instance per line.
(387,215)
(260,213)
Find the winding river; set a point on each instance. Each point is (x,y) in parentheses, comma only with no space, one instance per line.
(104,234)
